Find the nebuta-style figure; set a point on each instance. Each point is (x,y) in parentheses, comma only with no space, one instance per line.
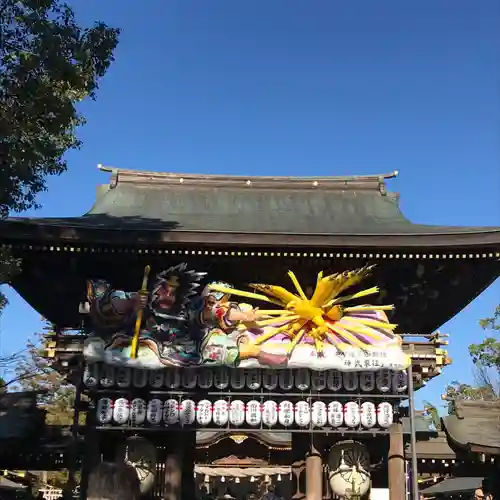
(223,341)
(165,328)
(216,310)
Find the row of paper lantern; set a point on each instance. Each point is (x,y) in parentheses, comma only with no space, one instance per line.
(238,379)
(236,413)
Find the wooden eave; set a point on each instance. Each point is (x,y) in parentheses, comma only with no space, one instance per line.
(272,440)
(51,232)
(174,211)
(433,446)
(475,427)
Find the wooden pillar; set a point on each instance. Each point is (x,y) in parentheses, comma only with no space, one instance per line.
(299,449)
(179,466)
(396,463)
(92,451)
(314,472)
(73,450)
(172,487)
(188,459)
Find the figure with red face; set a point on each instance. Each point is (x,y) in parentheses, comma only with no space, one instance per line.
(165,308)
(218,311)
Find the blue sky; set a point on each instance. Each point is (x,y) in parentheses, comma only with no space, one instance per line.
(288,87)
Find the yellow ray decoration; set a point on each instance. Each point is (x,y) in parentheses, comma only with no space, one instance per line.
(296,283)
(321,319)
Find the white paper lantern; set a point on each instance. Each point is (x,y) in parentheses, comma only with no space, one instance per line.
(302,379)
(238,379)
(171,412)
(188,378)
(335,414)
(121,411)
(156,379)
(123,377)
(205,378)
(385,415)
(221,412)
(138,411)
(319,414)
(154,411)
(139,378)
(237,412)
(351,381)
(104,410)
(334,380)
(91,375)
(253,413)
(269,379)
(204,412)
(285,413)
(368,415)
(286,380)
(187,412)
(172,378)
(221,378)
(270,413)
(107,376)
(352,416)
(318,380)
(254,378)
(383,380)
(367,381)
(400,381)
(302,414)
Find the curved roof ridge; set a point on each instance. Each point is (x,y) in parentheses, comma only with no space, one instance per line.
(147,178)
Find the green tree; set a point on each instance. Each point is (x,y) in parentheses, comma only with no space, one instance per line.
(456,391)
(7,366)
(487,353)
(431,414)
(48,64)
(35,373)
(486,359)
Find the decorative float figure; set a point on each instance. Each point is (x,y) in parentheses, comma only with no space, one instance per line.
(179,328)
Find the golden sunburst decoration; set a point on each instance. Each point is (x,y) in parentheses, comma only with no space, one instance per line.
(322,317)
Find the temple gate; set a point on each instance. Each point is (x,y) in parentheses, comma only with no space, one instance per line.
(302,306)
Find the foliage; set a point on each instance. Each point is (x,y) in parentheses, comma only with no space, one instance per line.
(466,392)
(34,373)
(492,323)
(7,366)
(432,416)
(487,353)
(48,64)
(8,268)
(486,359)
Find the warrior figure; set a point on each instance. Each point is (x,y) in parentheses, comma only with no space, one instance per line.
(110,311)
(217,311)
(114,312)
(169,302)
(223,342)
